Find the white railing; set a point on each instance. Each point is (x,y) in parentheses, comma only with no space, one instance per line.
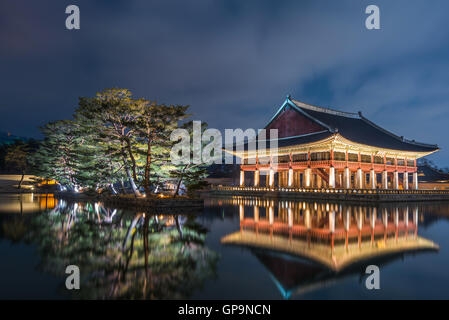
(325,190)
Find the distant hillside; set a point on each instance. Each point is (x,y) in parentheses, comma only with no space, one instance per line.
(7,138)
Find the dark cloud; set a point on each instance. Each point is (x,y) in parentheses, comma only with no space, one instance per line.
(232,61)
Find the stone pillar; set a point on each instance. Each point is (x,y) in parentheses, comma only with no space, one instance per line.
(307,178)
(318,181)
(415,181)
(359,182)
(290,177)
(395,180)
(297,180)
(332,178)
(372,179)
(242,178)
(384,180)
(256,178)
(347,179)
(271,178)
(405,181)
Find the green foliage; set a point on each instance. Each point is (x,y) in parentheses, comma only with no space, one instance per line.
(113,138)
(190,174)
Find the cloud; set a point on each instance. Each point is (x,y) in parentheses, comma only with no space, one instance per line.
(232,61)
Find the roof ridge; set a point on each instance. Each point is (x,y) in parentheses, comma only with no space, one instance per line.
(298,136)
(325,110)
(400,138)
(439,171)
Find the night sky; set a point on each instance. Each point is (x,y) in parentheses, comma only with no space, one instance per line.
(233,62)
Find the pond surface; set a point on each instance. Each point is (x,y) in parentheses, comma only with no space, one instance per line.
(237,248)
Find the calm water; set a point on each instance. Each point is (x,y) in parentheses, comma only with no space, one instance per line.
(236,249)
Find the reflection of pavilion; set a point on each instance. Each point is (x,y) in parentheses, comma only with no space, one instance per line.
(294,276)
(334,236)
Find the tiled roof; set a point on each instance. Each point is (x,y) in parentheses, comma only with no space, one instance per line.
(355,127)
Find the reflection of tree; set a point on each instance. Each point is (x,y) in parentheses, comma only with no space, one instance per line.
(14,229)
(131,256)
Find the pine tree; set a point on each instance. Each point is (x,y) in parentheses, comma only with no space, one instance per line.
(113,113)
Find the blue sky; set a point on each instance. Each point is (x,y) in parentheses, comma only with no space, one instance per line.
(232,61)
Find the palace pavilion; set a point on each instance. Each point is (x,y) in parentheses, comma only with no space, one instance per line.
(324,148)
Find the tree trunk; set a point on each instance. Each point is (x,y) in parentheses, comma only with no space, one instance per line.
(133,160)
(179,182)
(179,227)
(122,185)
(131,182)
(113,189)
(129,233)
(177,187)
(146,183)
(21,180)
(128,173)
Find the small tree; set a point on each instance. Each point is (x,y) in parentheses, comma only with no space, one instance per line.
(17,158)
(191,174)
